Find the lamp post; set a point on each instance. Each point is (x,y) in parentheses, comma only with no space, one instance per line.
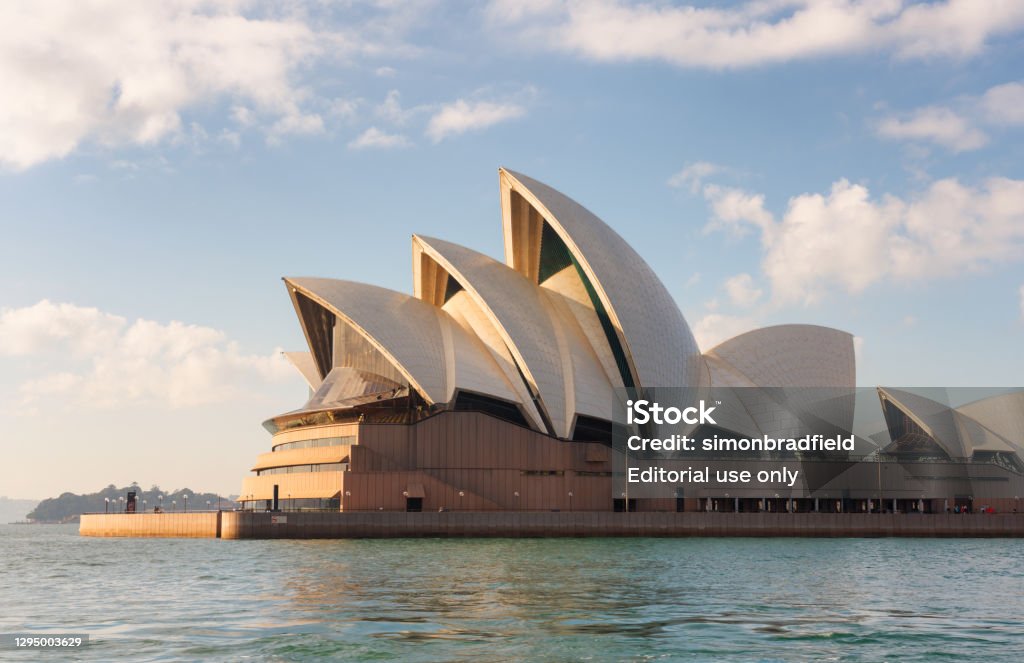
(174,503)
(348,493)
(625,500)
(208,505)
(570,500)
(462,494)
(185,497)
(120,501)
(161,498)
(106,505)
(143,506)
(290,503)
(516,495)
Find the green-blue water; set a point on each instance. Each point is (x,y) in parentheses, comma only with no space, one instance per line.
(551,599)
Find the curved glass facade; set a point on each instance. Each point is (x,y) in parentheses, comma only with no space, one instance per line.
(317,442)
(302,469)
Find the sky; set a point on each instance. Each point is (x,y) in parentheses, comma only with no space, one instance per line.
(856,164)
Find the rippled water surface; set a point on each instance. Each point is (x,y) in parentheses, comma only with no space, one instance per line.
(553,599)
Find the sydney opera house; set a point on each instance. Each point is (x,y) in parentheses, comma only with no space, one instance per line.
(495,385)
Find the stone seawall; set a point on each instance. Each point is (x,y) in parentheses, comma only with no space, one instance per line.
(261,525)
(389,524)
(203,524)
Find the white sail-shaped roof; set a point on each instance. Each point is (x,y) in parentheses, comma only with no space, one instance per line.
(994,424)
(432,353)
(656,341)
(785,356)
(814,367)
(303,361)
(562,372)
(574,314)
(933,417)
(1002,414)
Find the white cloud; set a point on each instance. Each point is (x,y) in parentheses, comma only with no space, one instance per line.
(742,291)
(374,138)
(714,328)
(49,386)
(461,116)
(117,74)
(385,72)
(734,208)
(244,116)
(517,10)
(343,108)
(1004,104)
(295,123)
(937,125)
(694,174)
(78,330)
(105,361)
(958,130)
(231,138)
(757,32)
(391,109)
(848,240)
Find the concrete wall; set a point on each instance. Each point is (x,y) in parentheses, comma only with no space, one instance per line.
(302,485)
(244,525)
(205,524)
(385,524)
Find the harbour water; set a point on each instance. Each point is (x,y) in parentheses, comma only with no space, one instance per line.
(514,599)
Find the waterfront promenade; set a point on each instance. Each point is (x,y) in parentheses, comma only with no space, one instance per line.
(390,524)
